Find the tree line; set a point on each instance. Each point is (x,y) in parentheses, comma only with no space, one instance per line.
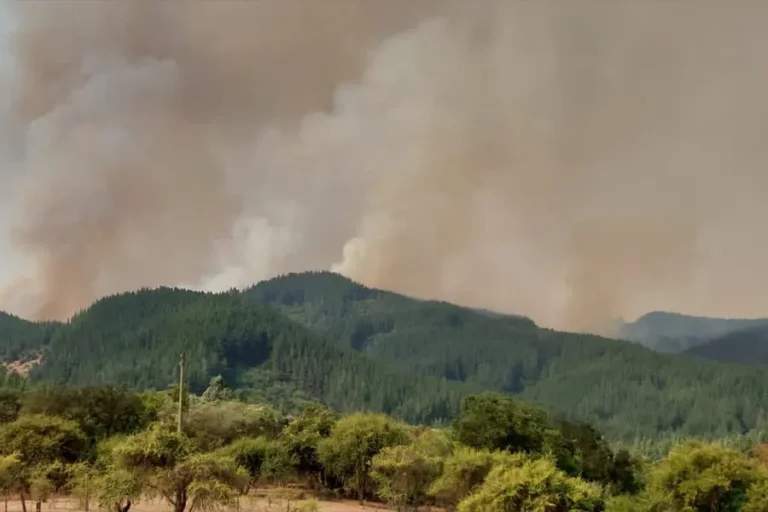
(323,338)
(629,391)
(116,447)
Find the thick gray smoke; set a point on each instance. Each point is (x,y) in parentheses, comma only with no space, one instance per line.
(572,161)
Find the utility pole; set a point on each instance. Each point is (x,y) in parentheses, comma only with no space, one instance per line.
(181,393)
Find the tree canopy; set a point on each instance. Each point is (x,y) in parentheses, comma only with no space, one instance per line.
(319,337)
(499,454)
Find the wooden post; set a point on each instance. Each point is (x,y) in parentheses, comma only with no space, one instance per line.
(181,393)
(87,491)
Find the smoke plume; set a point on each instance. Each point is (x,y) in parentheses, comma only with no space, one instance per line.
(571,161)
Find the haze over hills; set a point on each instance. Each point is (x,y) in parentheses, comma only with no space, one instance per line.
(321,336)
(674,332)
(745,346)
(213,144)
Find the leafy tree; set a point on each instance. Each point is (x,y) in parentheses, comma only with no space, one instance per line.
(497,422)
(214,424)
(434,442)
(117,489)
(114,488)
(757,495)
(533,485)
(158,405)
(625,474)
(42,444)
(354,441)
(172,397)
(162,463)
(303,434)
(100,411)
(82,477)
(594,455)
(250,455)
(589,456)
(702,477)
(404,473)
(48,480)
(10,404)
(279,462)
(217,390)
(626,503)
(463,471)
(11,475)
(265,460)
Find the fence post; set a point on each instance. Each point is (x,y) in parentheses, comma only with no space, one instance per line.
(87,491)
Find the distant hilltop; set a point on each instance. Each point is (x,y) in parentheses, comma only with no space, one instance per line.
(675,332)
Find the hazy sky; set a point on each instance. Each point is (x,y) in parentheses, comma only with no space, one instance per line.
(9,261)
(571,161)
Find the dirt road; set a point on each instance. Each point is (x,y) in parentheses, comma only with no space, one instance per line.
(246,505)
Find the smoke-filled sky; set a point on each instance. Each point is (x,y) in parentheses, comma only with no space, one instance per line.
(571,161)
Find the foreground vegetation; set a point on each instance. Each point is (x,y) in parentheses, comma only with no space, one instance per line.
(116,447)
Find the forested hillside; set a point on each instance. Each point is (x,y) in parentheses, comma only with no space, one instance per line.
(20,339)
(673,332)
(135,339)
(748,346)
(625,388)
(319,336)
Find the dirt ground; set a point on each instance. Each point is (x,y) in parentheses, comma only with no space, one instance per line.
(249,504)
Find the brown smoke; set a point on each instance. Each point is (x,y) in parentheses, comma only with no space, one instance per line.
(582,162)
(572,161)
(132,111)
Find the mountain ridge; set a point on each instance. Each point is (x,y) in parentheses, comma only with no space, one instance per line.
(676,332)
(747,346)
(320,336)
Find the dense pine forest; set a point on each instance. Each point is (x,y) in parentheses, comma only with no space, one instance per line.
(321,337)
(746,346)
(22,340)
(111,447)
